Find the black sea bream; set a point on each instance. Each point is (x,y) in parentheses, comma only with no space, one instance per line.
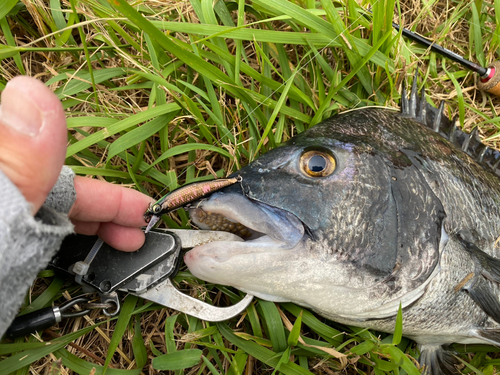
(367,210)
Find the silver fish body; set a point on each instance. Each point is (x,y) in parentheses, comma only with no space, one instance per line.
(409,215)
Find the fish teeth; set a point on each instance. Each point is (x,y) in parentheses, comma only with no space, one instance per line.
(218,222)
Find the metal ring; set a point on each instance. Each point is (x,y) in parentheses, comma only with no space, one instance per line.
(114,312)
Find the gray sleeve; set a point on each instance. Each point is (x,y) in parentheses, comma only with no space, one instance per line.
(63,194)
(27,243)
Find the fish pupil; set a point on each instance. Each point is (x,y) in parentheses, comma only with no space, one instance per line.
(317,163)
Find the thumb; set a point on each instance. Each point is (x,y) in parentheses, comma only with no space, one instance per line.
(33,138)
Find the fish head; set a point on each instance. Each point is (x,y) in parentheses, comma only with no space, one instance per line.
(324,226)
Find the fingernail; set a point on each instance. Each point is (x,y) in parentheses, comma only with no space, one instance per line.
(18,110)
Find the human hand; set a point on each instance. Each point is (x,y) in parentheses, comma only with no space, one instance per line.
(33,138)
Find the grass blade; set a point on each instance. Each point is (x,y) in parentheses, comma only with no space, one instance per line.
(26,357)
(140,352)
(178,360)
(275,329)
(398,330)
(120,126)
(81,366)
(46,297)
(10,40)
(328,333)
(276,110)
(138,135)
(121,325)
(82,80)
(475,29)
(6,6)
(262,354)
(190,147)
(293,338)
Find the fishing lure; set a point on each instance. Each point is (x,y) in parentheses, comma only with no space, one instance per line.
(182,196)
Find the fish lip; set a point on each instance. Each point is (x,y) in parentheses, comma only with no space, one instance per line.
(223,251)
(280,229)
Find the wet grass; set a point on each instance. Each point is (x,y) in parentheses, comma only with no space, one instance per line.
(159,95)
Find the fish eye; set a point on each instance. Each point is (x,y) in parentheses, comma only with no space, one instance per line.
(317,163)
(156,209)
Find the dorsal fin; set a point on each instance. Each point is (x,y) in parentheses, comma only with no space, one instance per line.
(435,119)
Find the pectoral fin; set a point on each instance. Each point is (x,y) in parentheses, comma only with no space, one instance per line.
(484,296)
(490,266)
(437,360)
(479,285)
(490,335)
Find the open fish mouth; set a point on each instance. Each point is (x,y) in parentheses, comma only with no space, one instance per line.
(251,220)
(264,229)
(218,222)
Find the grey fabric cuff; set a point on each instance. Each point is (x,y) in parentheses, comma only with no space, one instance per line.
(27,243)
(63,194)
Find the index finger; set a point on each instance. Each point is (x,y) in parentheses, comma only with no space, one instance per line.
(102,201)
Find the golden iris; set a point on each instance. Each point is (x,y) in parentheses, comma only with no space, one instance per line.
(317,163)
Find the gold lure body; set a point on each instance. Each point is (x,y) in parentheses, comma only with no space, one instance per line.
(182,196)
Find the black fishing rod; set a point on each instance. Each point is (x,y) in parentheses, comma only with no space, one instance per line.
(489,78)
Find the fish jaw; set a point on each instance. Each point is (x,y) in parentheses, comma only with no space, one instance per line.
(248,266)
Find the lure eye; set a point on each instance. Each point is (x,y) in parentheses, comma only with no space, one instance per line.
(156,209)
(317,163)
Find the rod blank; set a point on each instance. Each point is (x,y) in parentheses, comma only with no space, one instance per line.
(442,51)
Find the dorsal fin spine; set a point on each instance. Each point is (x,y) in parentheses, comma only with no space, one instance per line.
(437,119)
(424,113)
(404,100)
(465,145)
(497,163)
(453,132)
(483,153)
(413,96)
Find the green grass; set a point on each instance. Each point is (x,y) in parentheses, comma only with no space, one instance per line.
(159,96)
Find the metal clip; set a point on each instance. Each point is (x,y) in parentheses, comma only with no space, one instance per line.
(145,273)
